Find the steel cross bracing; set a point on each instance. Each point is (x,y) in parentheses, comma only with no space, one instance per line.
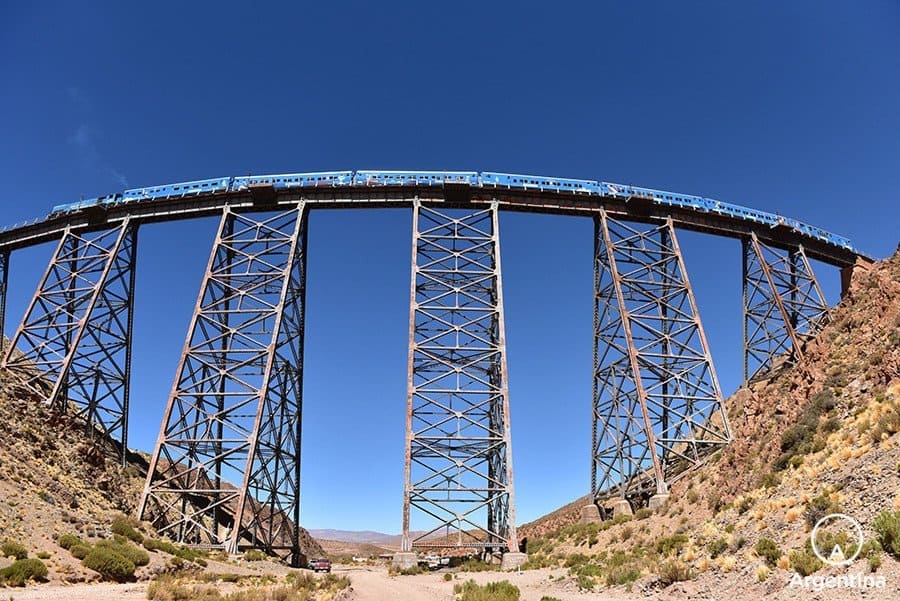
(783,305)
(4,284)
(657,408)
(226,469)
(74,343)
(459,476)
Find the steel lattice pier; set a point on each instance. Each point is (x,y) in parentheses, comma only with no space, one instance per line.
(657,405)
(459,475)
(783,306)
(74,344)
(226,469)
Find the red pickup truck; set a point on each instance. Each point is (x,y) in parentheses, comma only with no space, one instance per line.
(319,565)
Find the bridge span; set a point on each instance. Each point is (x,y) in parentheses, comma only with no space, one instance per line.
(225,469)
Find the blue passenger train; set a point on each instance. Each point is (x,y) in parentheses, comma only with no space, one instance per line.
(484,179)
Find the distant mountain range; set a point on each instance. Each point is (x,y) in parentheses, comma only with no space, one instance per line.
(360,536)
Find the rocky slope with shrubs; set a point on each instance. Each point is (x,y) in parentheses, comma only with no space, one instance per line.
(815,438)
(65,501)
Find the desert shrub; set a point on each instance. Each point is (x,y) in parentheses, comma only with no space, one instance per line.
(643,513)
(23,570)
(585,582)
(674,571)
(716,547)
(744,505)
(67,541)
(135,555)
(888,424)
(871,550)
(249,555)
(667,544)
(476,565)
(492,591)
(625,574)
(42,555)
(546,598)
(768,550)
(818,508)
(413,570)
(109,564)
(14,549)
(804,562)
(80,551)
(799,439)
(448,577)
(887,526)
(122,526)
(151,544)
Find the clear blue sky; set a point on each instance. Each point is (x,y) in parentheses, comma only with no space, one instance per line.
(783,106)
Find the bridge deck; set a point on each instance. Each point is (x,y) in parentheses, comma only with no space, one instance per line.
(361,196)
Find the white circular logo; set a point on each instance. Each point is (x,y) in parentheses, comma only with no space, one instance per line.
(836,556)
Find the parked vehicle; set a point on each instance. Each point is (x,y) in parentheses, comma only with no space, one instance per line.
(320,565)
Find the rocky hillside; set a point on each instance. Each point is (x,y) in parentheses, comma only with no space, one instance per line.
(55,480)
(815,438)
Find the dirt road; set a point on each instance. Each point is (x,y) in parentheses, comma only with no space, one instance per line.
(374,584)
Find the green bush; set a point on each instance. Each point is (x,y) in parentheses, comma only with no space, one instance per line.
(23,570)
(123,527)
(249,555)
(165,546)
(667,544)
(585,582)
(871,550)
(413,570)
(818,508)
(799,439)
(804,562)
(716,547)
(448,577)
(492,591)
(80,551)
(476,565)
(109,564)
(625,574)
(674,571)
(14,549)
(67,541)
(135,555)
(768,550)
(887,525)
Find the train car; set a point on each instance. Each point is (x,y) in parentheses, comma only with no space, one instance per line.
(415,178)
(318,179)
(535,182)
(203,186)
(85,203)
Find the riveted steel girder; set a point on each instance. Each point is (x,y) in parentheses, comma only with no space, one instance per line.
(74,343)
(226,469)
(783,306)
(657,405)
(459,477)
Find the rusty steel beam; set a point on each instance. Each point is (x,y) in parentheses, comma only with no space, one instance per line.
(225,470)
(458,461)
(657,407)
(74,343)
(783,306)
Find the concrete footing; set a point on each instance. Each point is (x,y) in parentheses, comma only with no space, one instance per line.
(404,561)
(621,507)
(511,561)
(590,514)
(658,500)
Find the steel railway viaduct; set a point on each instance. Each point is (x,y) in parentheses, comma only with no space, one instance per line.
(225,470)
